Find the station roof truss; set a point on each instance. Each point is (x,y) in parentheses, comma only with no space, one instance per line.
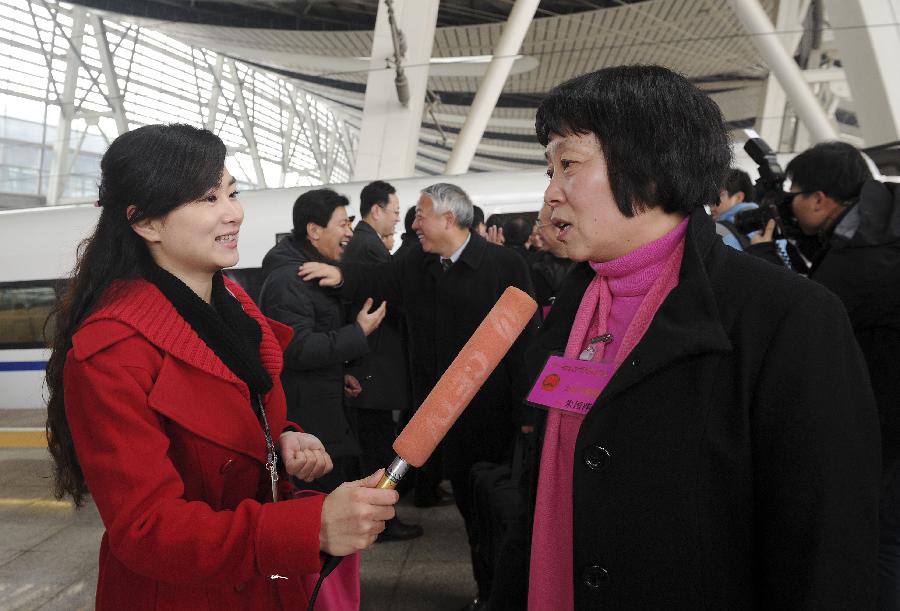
(326,45)
(101,74)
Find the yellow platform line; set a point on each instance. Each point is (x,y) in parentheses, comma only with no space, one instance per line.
(36,503)
(21,437)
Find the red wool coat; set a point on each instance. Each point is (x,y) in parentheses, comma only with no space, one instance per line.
(174,458)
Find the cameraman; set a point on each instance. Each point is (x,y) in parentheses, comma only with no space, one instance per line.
(857,256)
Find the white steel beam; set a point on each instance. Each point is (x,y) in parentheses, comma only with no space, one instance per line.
(216,91)
(287,139)
(114,97)
(330,151)
(311,128)
(868,36)
(491,85)
(765,39)
(347,142)
(389,134)
(247,125)
(771,119)
(60,164)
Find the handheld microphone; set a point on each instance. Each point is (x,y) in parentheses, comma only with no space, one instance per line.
(467,373)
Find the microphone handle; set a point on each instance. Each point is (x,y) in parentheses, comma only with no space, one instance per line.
(392,476)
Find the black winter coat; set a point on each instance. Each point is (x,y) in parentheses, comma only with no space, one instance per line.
(732,462)
(862,266)
(382,372)
(313,376)
(443,309)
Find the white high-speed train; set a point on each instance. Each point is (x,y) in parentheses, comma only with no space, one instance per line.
(37,252)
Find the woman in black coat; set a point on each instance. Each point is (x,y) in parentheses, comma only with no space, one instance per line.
(729,459)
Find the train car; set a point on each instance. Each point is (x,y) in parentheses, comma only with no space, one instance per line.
(38,248)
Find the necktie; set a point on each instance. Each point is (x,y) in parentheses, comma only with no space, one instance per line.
(446,263)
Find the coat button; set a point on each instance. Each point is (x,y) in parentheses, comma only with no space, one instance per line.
(595,576)
(596,458)
(226,466)
(240,587)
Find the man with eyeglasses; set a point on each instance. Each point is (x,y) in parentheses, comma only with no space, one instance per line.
(854,224)
(382,373)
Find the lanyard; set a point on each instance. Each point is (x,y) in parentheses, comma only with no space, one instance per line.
(271,455)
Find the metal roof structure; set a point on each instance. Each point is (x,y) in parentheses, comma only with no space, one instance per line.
(702,39)
(284,81)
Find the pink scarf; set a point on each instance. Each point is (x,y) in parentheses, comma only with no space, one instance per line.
(642,280)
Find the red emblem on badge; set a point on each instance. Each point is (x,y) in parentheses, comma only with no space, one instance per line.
(550,382)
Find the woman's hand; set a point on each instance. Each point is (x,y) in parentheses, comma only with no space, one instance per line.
(304,456)
(354,515)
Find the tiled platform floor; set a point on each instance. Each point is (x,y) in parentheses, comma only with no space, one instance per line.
(48,551)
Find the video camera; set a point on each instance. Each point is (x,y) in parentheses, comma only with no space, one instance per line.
(771,198)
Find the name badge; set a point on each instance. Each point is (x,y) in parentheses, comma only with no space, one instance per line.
(571,385)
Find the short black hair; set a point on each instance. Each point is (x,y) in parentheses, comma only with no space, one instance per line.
(664,140)
(738,181)
(516,231)
(409,219)
(837,169)
(477,216)
(374,193)
(315,206)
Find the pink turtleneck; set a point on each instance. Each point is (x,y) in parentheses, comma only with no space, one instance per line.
(621,300)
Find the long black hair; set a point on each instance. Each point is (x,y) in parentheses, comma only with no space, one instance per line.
(156,169)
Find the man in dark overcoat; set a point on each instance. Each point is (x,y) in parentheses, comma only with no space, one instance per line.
(853,221)
(447,284)
(382,373)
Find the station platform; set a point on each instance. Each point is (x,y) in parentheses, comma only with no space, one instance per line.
(48,550)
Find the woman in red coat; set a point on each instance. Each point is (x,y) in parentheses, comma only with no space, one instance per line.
(165,402)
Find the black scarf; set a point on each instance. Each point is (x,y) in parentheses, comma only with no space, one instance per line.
(232,334)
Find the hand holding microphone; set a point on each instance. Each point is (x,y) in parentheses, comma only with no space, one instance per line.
(467,373)
(353,515)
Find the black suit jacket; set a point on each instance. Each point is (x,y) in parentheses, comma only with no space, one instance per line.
(383,372)
(443,309)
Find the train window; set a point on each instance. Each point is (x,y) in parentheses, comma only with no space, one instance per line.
(24,308)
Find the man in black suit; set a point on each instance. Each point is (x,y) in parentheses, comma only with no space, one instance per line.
(447,284)
(382,373)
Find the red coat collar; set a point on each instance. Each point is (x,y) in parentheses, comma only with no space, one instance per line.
(141,306)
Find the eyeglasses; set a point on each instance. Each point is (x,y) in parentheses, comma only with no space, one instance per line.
(384,206)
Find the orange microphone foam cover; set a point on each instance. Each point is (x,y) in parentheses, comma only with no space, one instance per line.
(478,358)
